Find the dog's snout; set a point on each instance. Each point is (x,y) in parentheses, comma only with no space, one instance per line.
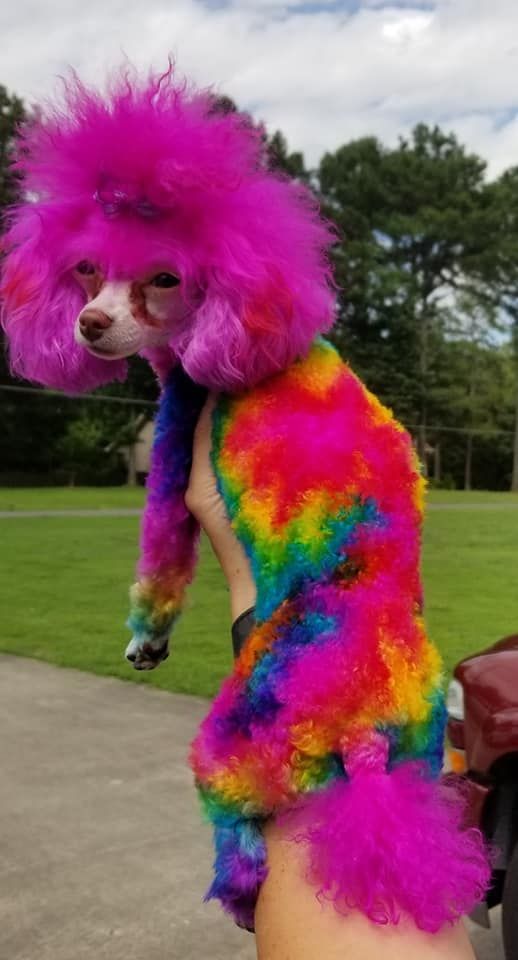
(93,323)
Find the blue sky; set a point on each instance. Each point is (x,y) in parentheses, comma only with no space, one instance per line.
(323,72)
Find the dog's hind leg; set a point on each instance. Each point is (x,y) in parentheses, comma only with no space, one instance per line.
(239,867)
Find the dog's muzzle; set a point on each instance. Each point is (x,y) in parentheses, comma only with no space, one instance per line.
(93,324)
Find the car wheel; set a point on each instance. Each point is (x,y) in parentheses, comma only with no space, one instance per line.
(510,908)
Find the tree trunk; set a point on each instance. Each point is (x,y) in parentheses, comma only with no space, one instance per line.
(468,461)
(131,477)
(423,373)
(437,464)
(422,444)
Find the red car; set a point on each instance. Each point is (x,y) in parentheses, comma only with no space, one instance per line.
(483,732)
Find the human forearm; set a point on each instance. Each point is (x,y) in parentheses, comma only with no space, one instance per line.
(204,502)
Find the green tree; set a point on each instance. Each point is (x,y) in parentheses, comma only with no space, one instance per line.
(11,114)
(87,450)
(477,386)
(81,444)
(281,159)
(411,220)
(276,144)
(498,273)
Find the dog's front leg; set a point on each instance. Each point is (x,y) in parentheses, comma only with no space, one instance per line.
(151,627)
(169,533)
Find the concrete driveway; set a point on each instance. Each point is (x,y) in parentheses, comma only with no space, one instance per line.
(102,854)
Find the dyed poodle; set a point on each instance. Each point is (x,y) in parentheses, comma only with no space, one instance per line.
(152,223)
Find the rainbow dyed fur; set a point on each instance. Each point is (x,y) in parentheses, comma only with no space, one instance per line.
(333,716)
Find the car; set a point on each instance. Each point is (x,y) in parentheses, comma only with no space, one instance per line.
(482,704)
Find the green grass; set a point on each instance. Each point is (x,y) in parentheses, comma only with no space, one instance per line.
(64,587)
(64,590)
(97,498)
(70,498)
(473,496)
(469,563)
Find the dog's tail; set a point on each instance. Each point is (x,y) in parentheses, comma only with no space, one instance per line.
(392,843)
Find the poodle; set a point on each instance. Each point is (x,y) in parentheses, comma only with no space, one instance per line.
(152,223)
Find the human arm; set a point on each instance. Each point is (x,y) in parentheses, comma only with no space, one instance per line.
(205,503)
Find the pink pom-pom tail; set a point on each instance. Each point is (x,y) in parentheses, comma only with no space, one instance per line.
(392,844)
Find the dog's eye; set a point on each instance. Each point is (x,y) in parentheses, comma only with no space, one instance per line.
(86,268)
(164,280)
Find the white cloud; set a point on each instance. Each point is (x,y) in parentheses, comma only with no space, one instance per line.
(407,29)
(322,74)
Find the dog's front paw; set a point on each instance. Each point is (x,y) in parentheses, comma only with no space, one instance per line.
(145,653)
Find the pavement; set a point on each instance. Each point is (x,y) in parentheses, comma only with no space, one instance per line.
(102,850)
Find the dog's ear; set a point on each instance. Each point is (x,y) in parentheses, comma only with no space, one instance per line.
(40,302)
(243,333)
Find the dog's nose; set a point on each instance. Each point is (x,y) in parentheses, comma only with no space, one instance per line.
(93,323)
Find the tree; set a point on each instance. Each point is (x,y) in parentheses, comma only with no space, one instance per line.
(281,159)
(11,114)
(276,144)
(80,445)
(498,273)
(475,393)
(412,222)
(87,451)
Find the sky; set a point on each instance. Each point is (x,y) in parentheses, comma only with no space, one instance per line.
(322,72)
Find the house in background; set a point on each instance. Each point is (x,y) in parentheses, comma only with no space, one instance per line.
(137,455)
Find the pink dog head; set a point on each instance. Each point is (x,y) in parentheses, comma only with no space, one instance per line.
(151,224)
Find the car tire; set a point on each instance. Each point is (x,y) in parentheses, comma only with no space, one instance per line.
(510,908)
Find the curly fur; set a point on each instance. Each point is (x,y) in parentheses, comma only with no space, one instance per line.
(333,718)
(249,245)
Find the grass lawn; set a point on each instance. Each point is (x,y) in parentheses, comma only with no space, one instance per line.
(64,596)
(70,498)
(64,586)
(102,498)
